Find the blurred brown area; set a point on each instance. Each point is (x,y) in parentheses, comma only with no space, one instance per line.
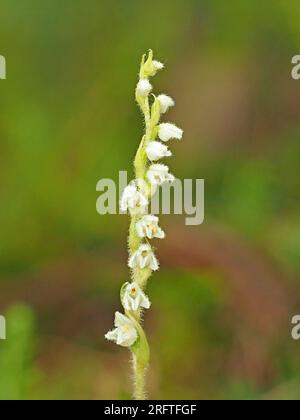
(255,313)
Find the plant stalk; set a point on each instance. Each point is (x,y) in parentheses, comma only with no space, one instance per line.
(140,358)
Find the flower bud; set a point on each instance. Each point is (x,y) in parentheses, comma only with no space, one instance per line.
(150,67)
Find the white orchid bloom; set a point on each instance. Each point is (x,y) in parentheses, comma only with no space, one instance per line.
(125,333)
(159,174)
(157,65)
(147,227)
(156,150)
(134,298)
(143,258)
(144,87)
(165,102)
(133,200)
(168,131)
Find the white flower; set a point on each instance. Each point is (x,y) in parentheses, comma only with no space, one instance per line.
(148,227)
(169,131)
(157,65)
(165,102)
(156,150)
(143,257)
(133,200)
(144,87)
(125,333)
(134,298)
(158,174)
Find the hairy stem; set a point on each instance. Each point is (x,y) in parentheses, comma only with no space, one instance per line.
(140,276)
(139,380)
(141,355)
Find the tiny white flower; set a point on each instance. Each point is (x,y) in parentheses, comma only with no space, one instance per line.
(148,227)
(144,87)
(157,65)
(125,333)
(134,298)
(143,257)
(165,102)
(158,174)
(156,150)
(133,200)
(169,131)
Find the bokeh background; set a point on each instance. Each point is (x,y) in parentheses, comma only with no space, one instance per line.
(220,325)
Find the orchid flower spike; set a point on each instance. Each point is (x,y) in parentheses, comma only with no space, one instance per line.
(150,174)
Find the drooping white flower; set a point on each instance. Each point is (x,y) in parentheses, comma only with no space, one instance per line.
(134,298)
(144,87)
(158,174)
(157,65)
(165,102)
(125,333)
(168,131)
(133,200)
(143,257)
(147,227)
(156,150)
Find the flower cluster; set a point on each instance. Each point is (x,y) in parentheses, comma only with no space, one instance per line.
(150,174)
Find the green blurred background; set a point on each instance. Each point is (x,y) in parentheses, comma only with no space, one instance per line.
(223,301)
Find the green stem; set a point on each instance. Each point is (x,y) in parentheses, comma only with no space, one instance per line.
(140,351)
(141,356)
(133,239)
(139,380)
